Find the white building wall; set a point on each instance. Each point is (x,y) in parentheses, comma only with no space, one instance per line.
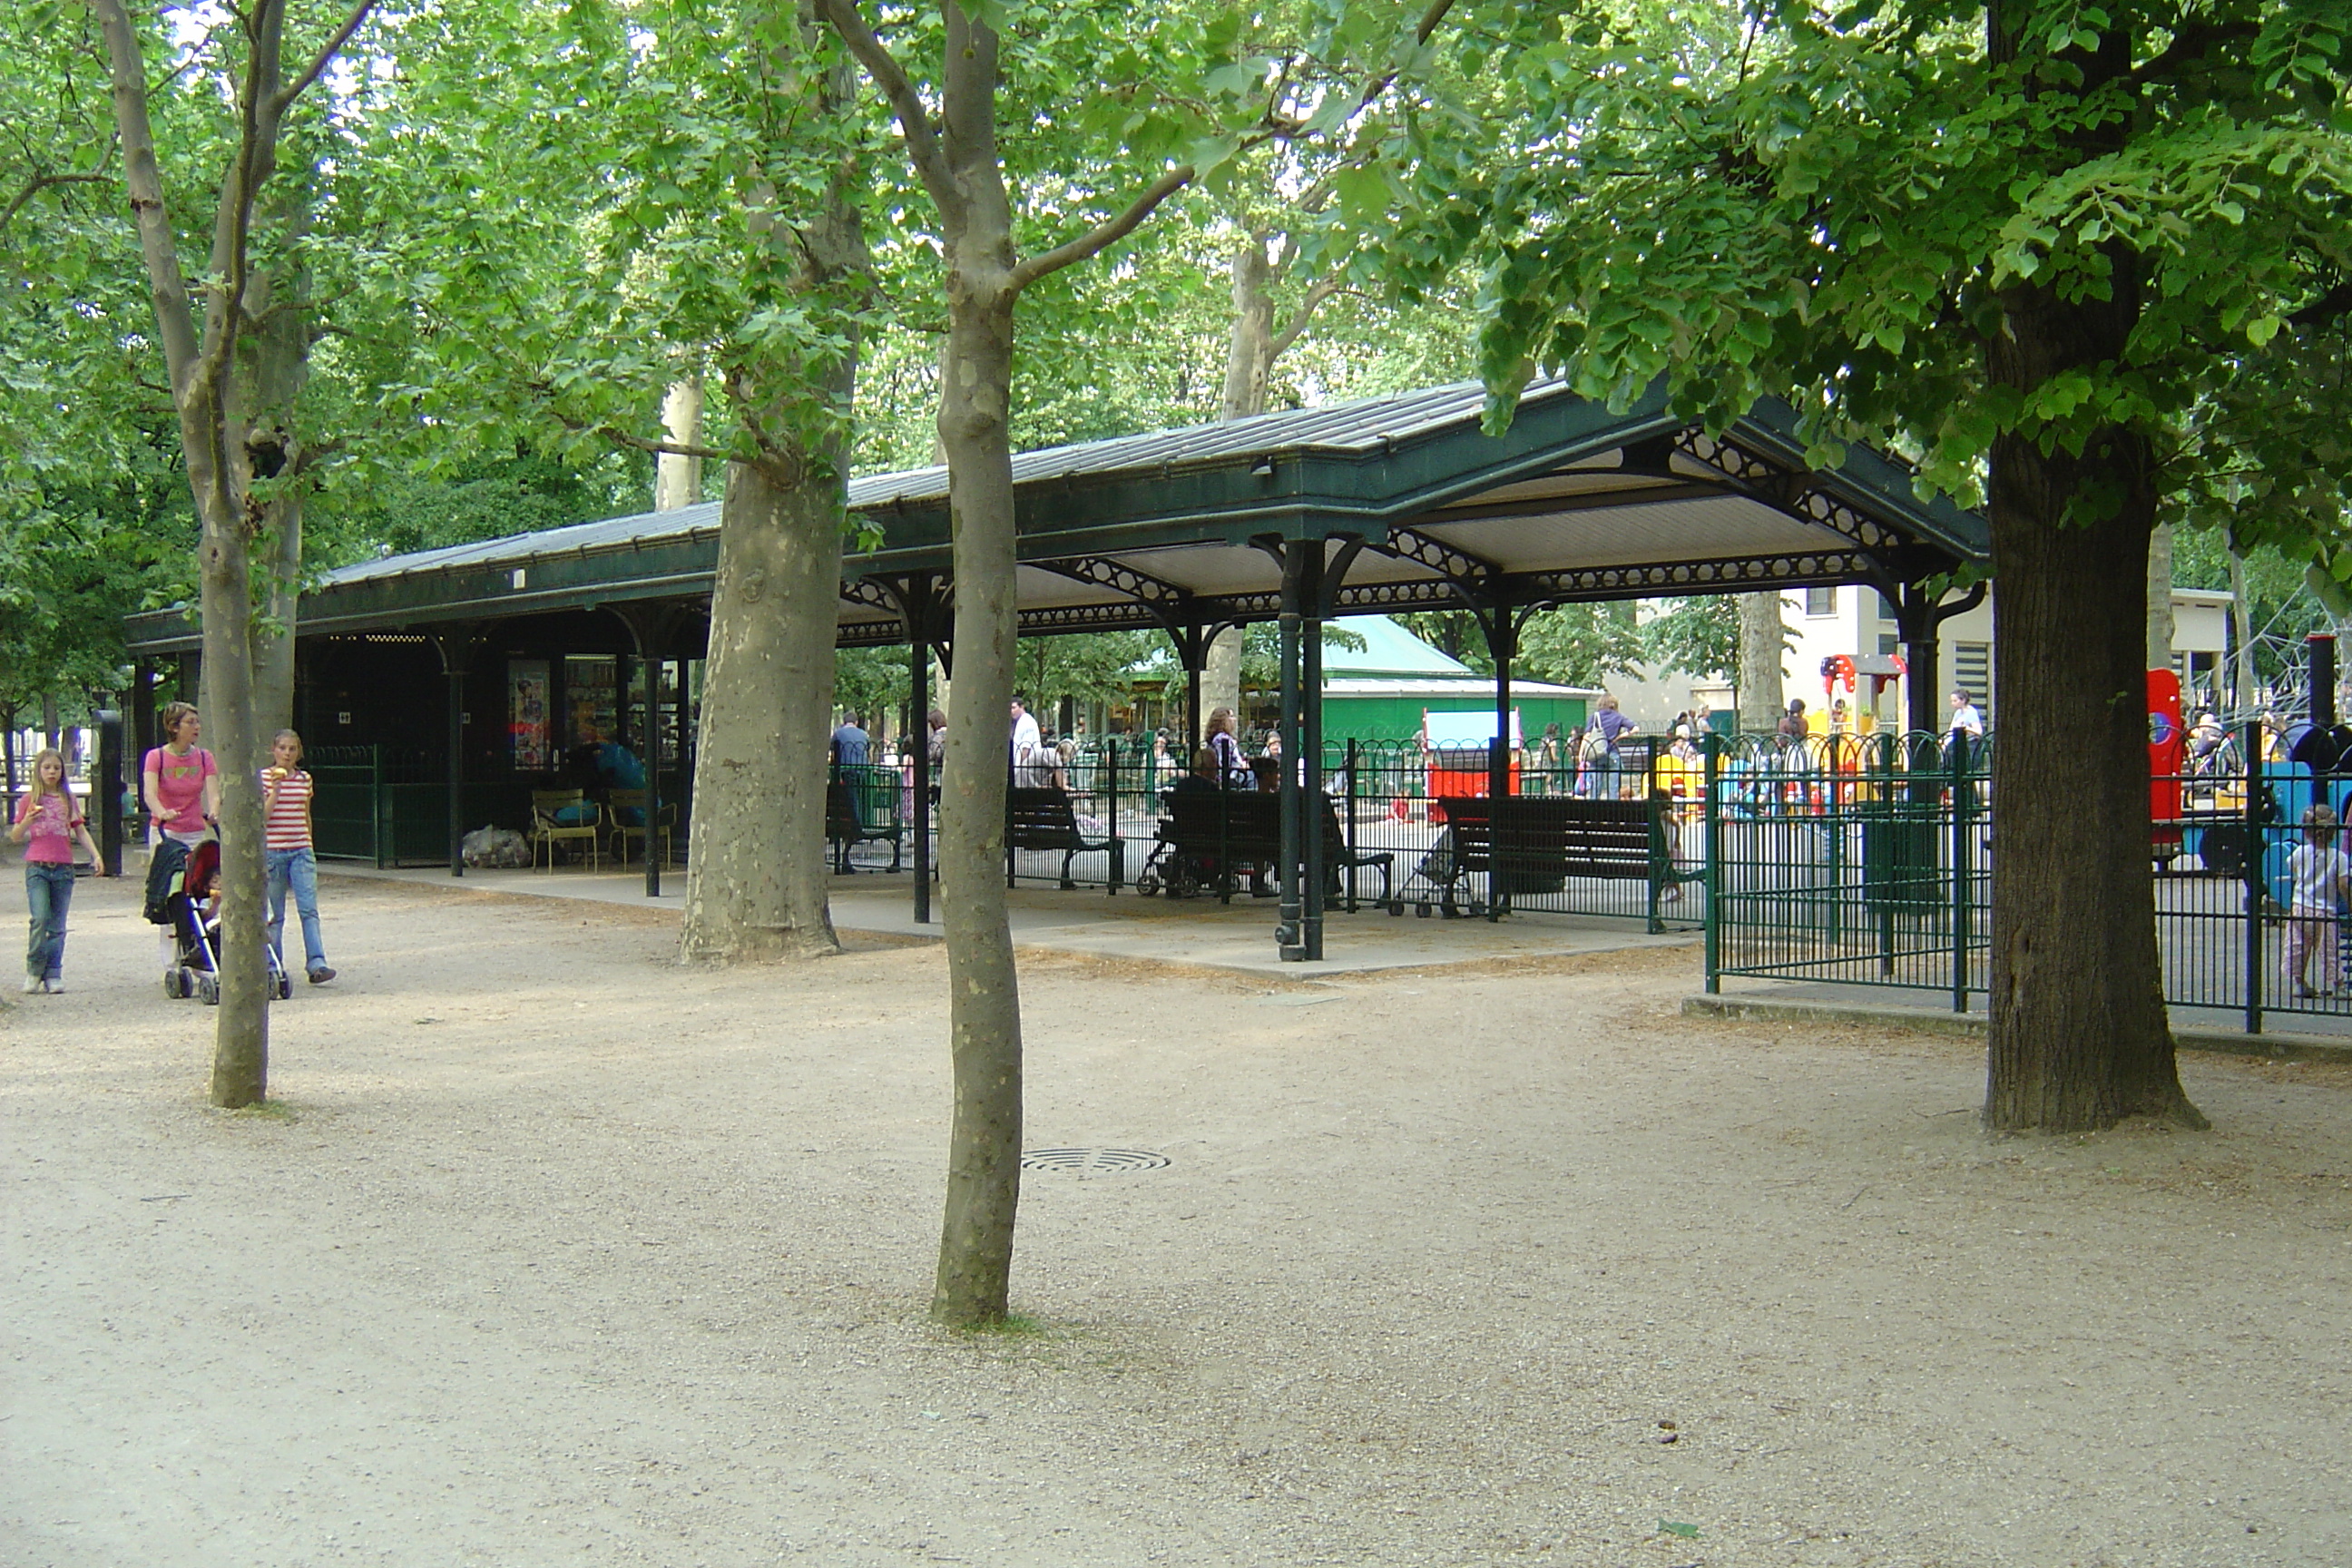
(1857,620)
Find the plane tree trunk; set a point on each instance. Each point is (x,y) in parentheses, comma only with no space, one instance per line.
(222,451)
(756,840)
(954,152)
(756,846)
(2079,1034)
(1763,643)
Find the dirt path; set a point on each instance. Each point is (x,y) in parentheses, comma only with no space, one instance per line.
(552,1253)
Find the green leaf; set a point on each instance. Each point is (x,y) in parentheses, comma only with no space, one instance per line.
(1669,1527)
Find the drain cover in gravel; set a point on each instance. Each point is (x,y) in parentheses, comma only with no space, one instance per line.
(1084,1163)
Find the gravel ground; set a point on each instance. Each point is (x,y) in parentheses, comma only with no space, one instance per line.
(554,1253)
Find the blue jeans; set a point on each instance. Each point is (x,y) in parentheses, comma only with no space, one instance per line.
(48,893)
(297,868)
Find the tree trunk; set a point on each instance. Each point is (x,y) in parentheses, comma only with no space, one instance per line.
(276,367)
(1763,643)
(1249,351)
(241,1036)
(2079,1034)
(756,844)
(2241,642)
(2159,597)
(1221,676)
(983,1194)
(1249,358)
(677,476)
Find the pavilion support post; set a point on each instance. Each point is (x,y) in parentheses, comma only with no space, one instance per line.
(647,626)
(1919,618)
(1502,628)
(1295,589)
(141,730)
(922,602)
(919,745)
(106,789)
(1305,767)
(456,646)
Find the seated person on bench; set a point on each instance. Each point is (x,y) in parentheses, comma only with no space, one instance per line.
(1203,779)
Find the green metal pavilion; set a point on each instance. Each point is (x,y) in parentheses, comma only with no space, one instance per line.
(1387,503)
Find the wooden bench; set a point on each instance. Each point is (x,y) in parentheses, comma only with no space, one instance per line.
(1216,830)
(1535,845)
(1043,819)
(861,807)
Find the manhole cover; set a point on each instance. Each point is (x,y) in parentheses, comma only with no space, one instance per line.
(1092,1162)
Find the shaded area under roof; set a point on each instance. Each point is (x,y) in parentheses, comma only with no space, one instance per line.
(1166,530)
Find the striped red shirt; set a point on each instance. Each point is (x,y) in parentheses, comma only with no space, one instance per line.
(289,824)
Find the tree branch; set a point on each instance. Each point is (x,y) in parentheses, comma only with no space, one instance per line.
(922,138)
(1324,288)
(635,442)
(326,56)
(38,182)
(174,321)
(2328,309)
(1102,234)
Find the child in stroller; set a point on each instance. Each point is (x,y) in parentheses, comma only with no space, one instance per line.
(190,906)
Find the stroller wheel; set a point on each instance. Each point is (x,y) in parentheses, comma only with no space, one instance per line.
(172,983)
(285,986)
(208,990)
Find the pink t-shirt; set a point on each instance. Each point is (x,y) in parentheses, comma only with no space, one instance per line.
(54,819)
(180,783)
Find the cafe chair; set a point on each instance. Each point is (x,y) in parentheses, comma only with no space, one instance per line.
(547,806)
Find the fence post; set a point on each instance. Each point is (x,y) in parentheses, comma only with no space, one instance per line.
(2257,881)
(377,807)
(1349,772)
(1713,747)
(1893,840)
(1963,892)
(1117,850)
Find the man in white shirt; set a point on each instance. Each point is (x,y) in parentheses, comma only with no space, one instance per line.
(1026,743)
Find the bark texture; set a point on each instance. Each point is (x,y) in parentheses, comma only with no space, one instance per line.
(756,842)
(983,1187)
(678,476)
(756,846)
(2159,597)
(1763,643)
(1221,676)
(2079,1034)
(224,450)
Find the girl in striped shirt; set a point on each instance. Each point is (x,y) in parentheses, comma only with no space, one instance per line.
(288,857)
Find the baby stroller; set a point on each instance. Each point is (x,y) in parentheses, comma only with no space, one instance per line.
(186,890)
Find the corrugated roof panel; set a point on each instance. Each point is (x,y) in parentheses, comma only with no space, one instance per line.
(522,549)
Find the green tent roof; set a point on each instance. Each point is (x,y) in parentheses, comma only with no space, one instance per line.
(1389,649)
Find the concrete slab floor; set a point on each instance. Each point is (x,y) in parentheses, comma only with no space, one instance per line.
(1195,932)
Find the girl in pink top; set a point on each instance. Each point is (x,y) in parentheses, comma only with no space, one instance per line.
(46,825)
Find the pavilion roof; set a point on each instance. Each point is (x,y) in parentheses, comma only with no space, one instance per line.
(1408,492)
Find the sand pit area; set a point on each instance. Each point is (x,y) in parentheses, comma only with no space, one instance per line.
(547,1251)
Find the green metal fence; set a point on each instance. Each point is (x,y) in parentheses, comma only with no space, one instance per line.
(1849,860)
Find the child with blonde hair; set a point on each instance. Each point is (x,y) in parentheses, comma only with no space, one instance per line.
(46,823)
(2321,876)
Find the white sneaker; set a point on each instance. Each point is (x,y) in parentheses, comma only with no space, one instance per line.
(54,987)
(32,985)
